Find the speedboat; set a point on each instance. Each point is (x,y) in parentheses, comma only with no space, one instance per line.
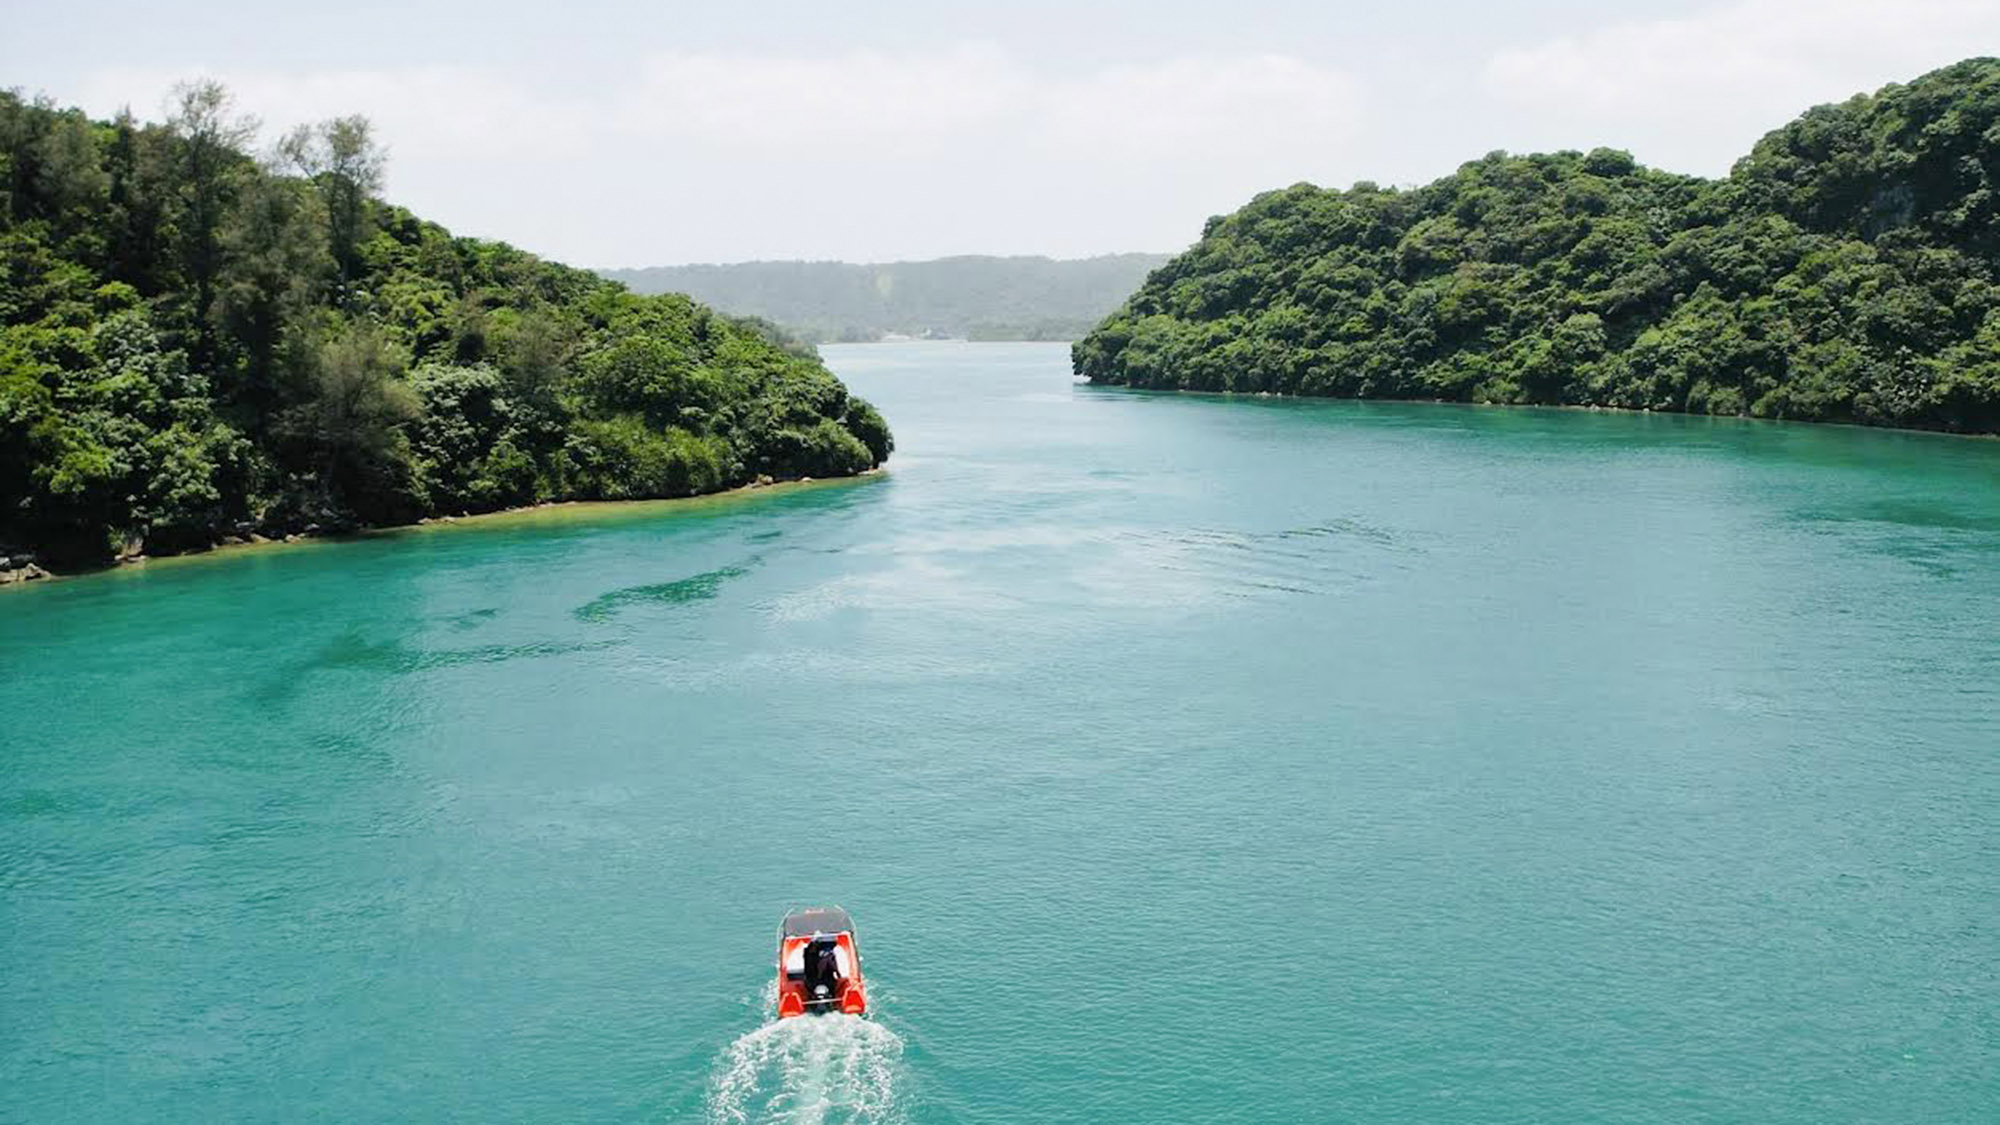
(819,966)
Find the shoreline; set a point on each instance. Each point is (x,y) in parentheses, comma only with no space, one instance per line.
(552,512)
(1588,408)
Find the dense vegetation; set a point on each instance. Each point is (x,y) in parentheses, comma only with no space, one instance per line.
(196,344)
(971,297)
(1844,271)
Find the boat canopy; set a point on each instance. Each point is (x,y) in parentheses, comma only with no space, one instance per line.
(816,920)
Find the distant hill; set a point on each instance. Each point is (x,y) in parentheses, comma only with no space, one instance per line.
(975,297)
(1846,270)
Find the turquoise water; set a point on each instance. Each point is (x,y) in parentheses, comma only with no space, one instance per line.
(1180,759)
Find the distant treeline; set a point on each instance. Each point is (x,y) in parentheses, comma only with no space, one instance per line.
(972,297)
(197,344)
(1845,270)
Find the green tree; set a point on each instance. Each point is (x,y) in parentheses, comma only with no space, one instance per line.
(352,423)
(342,159)
(274,270)
(210,135)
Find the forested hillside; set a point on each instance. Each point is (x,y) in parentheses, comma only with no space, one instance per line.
(198,344)
(1844,271)
(972,297)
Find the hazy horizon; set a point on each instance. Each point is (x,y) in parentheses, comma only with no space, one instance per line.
(666,136)
(879,262)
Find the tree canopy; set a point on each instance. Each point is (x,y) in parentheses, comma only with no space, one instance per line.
(196,343)
(1843,271)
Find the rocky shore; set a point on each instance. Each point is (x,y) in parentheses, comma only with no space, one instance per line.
(19,566)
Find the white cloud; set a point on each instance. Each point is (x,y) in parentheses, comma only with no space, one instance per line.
(864,96)
(1191,107)
(1705,86)
(980,96)
(859,154)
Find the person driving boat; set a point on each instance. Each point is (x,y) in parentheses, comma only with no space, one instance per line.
(822,965)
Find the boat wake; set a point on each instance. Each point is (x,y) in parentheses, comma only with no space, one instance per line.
(809,1070)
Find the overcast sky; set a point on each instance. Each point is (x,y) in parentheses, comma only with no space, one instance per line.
(642,133)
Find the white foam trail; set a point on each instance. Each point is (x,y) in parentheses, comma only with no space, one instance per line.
(810,1070)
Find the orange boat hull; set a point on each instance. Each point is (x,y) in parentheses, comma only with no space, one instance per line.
(850,997)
